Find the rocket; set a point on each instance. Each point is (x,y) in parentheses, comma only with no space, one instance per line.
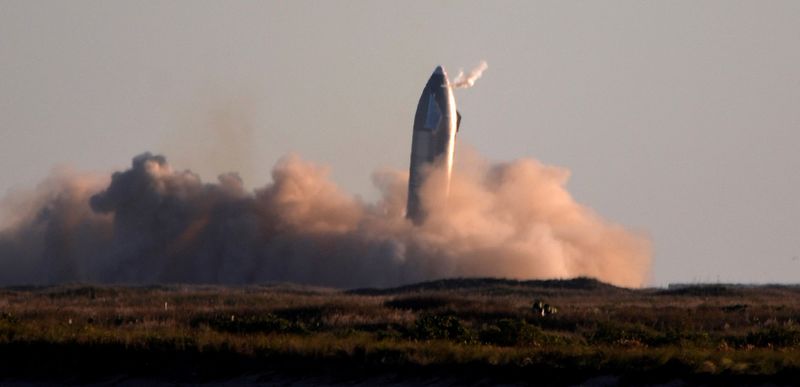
(434,138)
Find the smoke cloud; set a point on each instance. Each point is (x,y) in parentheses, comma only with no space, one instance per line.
(466,81)
(151,223)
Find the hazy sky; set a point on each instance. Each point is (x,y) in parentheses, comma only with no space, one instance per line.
(680,119)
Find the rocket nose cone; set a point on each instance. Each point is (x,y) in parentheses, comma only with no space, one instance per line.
(441,76)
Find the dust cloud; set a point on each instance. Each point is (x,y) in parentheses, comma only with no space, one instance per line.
(153,224)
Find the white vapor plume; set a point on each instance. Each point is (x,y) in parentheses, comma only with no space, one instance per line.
(466,81)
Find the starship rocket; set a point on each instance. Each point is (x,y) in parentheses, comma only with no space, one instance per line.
(434,138)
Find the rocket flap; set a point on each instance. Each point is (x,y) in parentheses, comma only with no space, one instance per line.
(458,120)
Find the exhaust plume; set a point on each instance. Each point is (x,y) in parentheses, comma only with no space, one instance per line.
(151,223)
(463,82)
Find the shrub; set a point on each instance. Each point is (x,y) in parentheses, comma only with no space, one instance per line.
(417,303)
(509,332)
(624,333)
(701,291)
(441,327)
(774,337)
(307,318)
(265,323)
(8,317)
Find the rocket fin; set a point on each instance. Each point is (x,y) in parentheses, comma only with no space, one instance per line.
(458,120)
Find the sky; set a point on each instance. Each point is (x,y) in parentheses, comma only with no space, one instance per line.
(677,119)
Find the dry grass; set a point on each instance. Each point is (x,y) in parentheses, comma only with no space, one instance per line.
(649,335)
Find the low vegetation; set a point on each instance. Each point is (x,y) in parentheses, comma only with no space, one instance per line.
(452,330)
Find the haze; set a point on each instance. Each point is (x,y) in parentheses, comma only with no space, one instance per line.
(677,119)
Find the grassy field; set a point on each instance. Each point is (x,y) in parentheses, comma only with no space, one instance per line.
(444,332)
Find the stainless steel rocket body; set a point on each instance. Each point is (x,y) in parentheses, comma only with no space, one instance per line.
(435,126)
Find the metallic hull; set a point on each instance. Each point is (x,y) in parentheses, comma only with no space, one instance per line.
(435,126)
